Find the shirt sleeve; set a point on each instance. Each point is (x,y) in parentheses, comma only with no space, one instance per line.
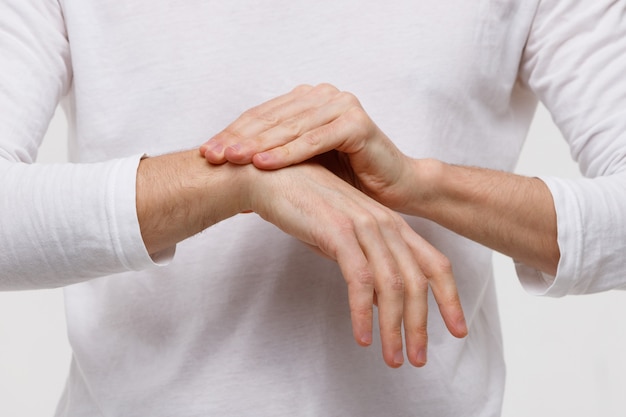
(60,223)
(574,62)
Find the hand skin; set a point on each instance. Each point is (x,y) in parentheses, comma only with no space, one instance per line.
(381,258)
(510,213)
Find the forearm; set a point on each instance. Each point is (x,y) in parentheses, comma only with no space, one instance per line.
(180,194)
(509,213)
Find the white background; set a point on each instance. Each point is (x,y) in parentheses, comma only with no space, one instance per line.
(565,356)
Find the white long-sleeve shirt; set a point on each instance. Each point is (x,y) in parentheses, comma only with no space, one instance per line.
(244,320)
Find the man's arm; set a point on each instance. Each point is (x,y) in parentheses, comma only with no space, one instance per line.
(509,213)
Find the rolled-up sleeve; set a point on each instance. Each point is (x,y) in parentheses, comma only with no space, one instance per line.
(575,63)
(60,223)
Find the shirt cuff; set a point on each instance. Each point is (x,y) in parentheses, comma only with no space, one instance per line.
(130,246)
(534,281)
(570,241)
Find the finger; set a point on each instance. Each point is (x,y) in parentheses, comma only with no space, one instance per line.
(213,149)
(415,314)
(389,286)
(438,271)
(291,119)
(340,126)
(360,281)
(240,140)
(416,318)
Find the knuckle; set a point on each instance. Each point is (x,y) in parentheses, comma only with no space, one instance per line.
(359,122)
(364,277)
(390,221)
(326,89)
(392,284)
(312,139)
(326,244)
(358,115)
(361,278)
(349,99)
(267,117)
(441,266)
(395,282)
(292,126)
(418,284)
(365,220)
(302,88)
(422,283)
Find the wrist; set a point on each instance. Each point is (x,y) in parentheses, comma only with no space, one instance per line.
(425,187)
(180,194)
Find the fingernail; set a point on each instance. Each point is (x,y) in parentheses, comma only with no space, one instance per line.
(366,338)
(462,325)
(213,147)
(262,156)
(235,148)
(421,356)
(398,358)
